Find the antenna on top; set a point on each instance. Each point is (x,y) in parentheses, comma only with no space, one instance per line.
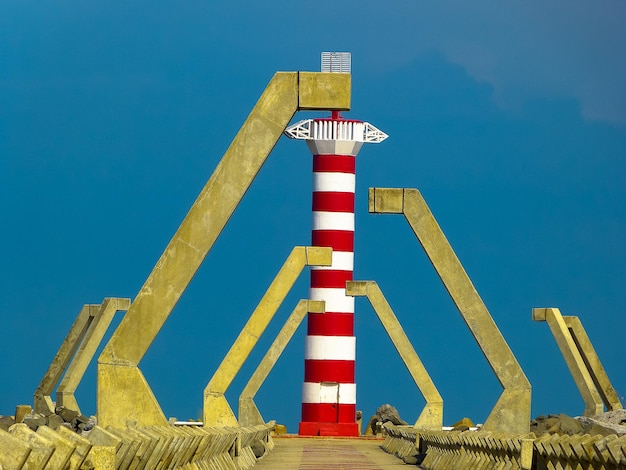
(337,62)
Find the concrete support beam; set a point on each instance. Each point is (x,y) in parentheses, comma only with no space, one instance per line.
(431,416)
(119,380)
(77,351)
(42,402)
(217,411)
(601,380)
(512,411)
(98,327)
(249,414)
(581,359)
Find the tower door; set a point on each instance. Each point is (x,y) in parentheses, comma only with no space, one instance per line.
(329,396)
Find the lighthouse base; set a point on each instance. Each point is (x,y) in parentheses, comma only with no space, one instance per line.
(328,429)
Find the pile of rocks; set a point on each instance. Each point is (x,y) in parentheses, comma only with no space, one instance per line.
(62,416)
(384,414)
(612,422)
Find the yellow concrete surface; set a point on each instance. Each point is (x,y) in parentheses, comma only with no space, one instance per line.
(317,453)
(14,451)
(286,93)
(40,448)
(96,330)
(128,399)
(511,412)
(318,91)
(63,448)
(601,380)
(81,446)
(431,416)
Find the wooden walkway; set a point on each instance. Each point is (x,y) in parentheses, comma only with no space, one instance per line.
(324,453)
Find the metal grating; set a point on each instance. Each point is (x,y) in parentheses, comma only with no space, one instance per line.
(327,129)
(338,62)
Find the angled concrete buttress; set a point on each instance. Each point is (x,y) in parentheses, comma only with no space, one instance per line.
(123,393)
(431,416)
(582,361)
(86,332)
(592,361)
(217,411)
(249,414)
(511,413)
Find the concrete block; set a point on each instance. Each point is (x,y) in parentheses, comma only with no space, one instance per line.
(126,447)
(385,200)
(601,448)
(131,454)
(204,449)
(101,437)
(193,440)
(54,421)
(41,448)
(34,422)
(185,444)
(82,447)
(146,447)
(14,451)
(159,450)
(67,414)
(63,448)
(173,443)
(324,90)
(617,450)
(318,256)
(6,422)
(100,458)
(21,411)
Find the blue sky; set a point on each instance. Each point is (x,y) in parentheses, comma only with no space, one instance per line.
(509,118)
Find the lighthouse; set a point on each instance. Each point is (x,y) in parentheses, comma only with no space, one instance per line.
(329,388)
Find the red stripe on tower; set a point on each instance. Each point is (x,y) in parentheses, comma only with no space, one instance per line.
(329,389)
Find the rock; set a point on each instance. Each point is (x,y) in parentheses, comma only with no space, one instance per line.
(67,414)
(414,459)
(461,427)
(54,421)
(34,422)
(613,417)
(82,423)
(6,422)
(259,448)
(562,424)
(371,426)
(88,425)
(464,422)
(387,413)
(593,426)
(550,424)
(280,429)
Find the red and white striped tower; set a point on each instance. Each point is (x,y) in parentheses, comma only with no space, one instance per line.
(329,389)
